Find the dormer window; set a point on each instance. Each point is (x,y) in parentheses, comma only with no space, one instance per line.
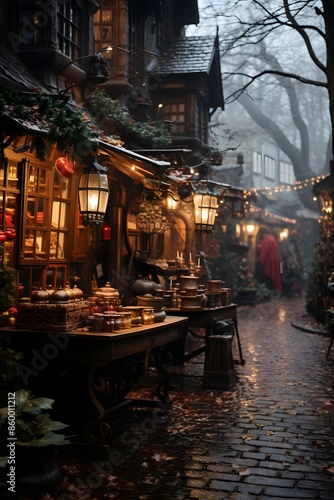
(174,110)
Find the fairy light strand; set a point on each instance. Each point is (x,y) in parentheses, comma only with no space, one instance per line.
(285,187)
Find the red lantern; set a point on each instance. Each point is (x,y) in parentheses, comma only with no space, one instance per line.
(3,237)
(64,167)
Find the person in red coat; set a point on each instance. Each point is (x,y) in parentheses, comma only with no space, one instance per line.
(268,265)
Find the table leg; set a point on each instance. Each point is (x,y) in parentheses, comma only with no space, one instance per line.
(162,390)
(235,324)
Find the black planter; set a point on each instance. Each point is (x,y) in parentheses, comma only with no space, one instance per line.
(246,297)
(37,471)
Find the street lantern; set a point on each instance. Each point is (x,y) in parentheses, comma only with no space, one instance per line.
(93,193)
(233,197)
(205,209)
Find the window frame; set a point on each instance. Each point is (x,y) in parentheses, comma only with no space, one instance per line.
(269,167)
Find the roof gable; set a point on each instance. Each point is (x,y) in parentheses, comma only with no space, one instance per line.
(194,55)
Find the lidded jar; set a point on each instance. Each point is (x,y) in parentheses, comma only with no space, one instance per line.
(71,293)
(78,293)
(50,290)
(60,296)
(41,296)
(108,323)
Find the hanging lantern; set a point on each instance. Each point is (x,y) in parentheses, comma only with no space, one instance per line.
(93,194)
(205,209)
(225,215)
(233,197)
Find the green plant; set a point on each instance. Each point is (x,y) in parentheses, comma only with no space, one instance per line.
(245,279)
(7,287)
(32,428)
(62,124)
(115,120)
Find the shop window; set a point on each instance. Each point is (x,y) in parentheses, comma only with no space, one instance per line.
(29,279)
(36,210)
(56,276)
(8,211)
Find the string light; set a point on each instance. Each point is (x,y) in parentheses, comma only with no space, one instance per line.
(285,187)
(265,213)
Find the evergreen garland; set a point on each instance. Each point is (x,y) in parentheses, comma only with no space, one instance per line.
(114,119)
(63,125)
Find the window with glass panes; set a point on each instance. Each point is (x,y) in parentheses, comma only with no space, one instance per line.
(104,26)
(69,28)
(257,163)
(59,217)
(37,211)
(269,167)
(9,197)
(174,111)
(286,173)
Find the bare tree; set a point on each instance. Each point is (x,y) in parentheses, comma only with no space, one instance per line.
(290,43)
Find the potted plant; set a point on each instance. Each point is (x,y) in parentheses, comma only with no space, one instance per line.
(245,285)
(31,436)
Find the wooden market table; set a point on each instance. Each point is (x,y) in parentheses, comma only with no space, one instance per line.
(98,364)
(205,318)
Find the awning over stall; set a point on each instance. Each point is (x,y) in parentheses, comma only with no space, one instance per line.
(132,164)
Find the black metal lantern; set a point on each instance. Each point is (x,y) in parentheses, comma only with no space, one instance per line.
(234,198)
(93,193)
(205,209)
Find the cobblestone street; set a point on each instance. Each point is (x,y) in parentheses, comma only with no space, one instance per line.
(270,437)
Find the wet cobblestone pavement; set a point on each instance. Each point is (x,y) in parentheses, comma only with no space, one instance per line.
(270,437)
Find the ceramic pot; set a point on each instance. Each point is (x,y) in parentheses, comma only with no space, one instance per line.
(107,291)
(188,281)
(41,296)
(71,293)
(214,285)
(78,293)
(159,316)
(60,297)
(141,287)
(155,302)
(190,302)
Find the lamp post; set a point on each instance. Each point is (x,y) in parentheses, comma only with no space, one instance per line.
(93,193)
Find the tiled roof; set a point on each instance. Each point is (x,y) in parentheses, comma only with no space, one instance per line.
(187,55)
(14,74)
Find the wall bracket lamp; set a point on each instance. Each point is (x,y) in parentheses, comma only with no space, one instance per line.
(93,193)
